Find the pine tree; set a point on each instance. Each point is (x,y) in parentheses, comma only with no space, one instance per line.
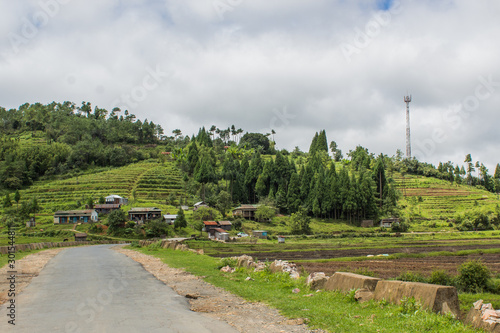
(293,195)
(180,221)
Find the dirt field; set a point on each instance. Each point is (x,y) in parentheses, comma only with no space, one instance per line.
(392,268)
(327,254)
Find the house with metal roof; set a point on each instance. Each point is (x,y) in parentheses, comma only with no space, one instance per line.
(116,199)
(75,216)
(245,211)
(170,218)
(106,208)
(144,213)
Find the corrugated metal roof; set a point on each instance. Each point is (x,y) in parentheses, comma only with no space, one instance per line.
(219,230)
(81,234)
(104,206)
(225,223)
(210,223)
(75,212)
(144,209)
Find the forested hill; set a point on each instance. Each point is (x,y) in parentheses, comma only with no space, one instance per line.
(51,139)
(220,166)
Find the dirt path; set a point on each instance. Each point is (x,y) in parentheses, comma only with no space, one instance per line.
(216,302)
(26,268)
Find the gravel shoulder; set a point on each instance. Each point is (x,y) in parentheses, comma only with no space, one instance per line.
(216,302)
(26,269)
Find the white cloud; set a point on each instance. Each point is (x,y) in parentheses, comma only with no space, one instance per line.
(262,57)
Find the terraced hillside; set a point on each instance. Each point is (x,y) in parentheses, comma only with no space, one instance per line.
(147,180)
(440,199)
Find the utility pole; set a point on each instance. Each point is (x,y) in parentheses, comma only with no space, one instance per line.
(407,100)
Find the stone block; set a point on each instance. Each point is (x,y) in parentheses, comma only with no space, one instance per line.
(439,299)
(347,281)
(316,280)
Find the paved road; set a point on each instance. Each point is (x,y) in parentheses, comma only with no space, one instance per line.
(95,289)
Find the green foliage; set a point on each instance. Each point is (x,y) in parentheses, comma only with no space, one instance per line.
(227,261)
(411,277)
(238,223)
(256,141)
(6,201)
(473,276)
(401,226)
(265,213)
(206,214)
(409,306)
(180,221)
(300,223)
(441,277)
(351,295)
(116,220)
(157,228)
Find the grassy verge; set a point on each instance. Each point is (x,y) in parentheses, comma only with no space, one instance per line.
(332,311)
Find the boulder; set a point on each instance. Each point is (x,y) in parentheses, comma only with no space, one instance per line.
(439,299)
(363,295)
(244,261)
(316,280)
(348,281)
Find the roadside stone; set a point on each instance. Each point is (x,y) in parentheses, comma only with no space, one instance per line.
(316,280)
(363,295)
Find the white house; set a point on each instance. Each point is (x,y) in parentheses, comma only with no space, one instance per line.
(169,219)
(116,199)
(75,216)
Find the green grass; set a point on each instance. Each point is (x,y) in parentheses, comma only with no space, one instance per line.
(332,311)
(4,258)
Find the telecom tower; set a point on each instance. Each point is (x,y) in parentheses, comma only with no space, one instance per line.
(407,100)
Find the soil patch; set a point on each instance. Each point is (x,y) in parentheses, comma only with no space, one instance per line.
(327,254)
(387,269)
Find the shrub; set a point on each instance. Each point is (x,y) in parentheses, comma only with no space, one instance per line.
(409,306)
(441,277)
(412,277)
(473,276)
(227,261)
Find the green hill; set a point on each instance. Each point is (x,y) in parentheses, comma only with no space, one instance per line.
(434,200)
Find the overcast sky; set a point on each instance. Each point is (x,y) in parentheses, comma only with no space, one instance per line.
(295,66)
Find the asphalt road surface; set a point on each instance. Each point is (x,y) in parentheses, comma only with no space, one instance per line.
(95,289)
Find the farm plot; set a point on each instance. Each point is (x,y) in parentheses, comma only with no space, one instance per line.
(160,182)
(61,193)
(387,269)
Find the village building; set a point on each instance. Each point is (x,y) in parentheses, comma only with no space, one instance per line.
(75,216)
(169,218)
(245,211)
(106,208)
(199,204)
(142,214)
(80,237)
(366,223)
(116,199)
(226,225)
(218,234)
(259,233)
(387,223)
(31,223)
(210,225)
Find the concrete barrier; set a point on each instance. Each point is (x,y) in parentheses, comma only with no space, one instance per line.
(346,281)
(439,299)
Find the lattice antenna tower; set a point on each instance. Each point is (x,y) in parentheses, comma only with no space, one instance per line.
(407,100)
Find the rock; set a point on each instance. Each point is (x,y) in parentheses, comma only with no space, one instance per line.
(294,275)
(478,304)
(316,280)
(296,291)
(348,281)
(244,261)
(363,295)
(439,299)
(227,269)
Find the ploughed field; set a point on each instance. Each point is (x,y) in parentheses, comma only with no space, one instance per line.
(417,256)
(392,268)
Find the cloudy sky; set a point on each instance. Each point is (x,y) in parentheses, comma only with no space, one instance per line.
(295,66)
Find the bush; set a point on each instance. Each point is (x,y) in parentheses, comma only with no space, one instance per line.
(441,277)
(473,276)
(411,277)
(227,261)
